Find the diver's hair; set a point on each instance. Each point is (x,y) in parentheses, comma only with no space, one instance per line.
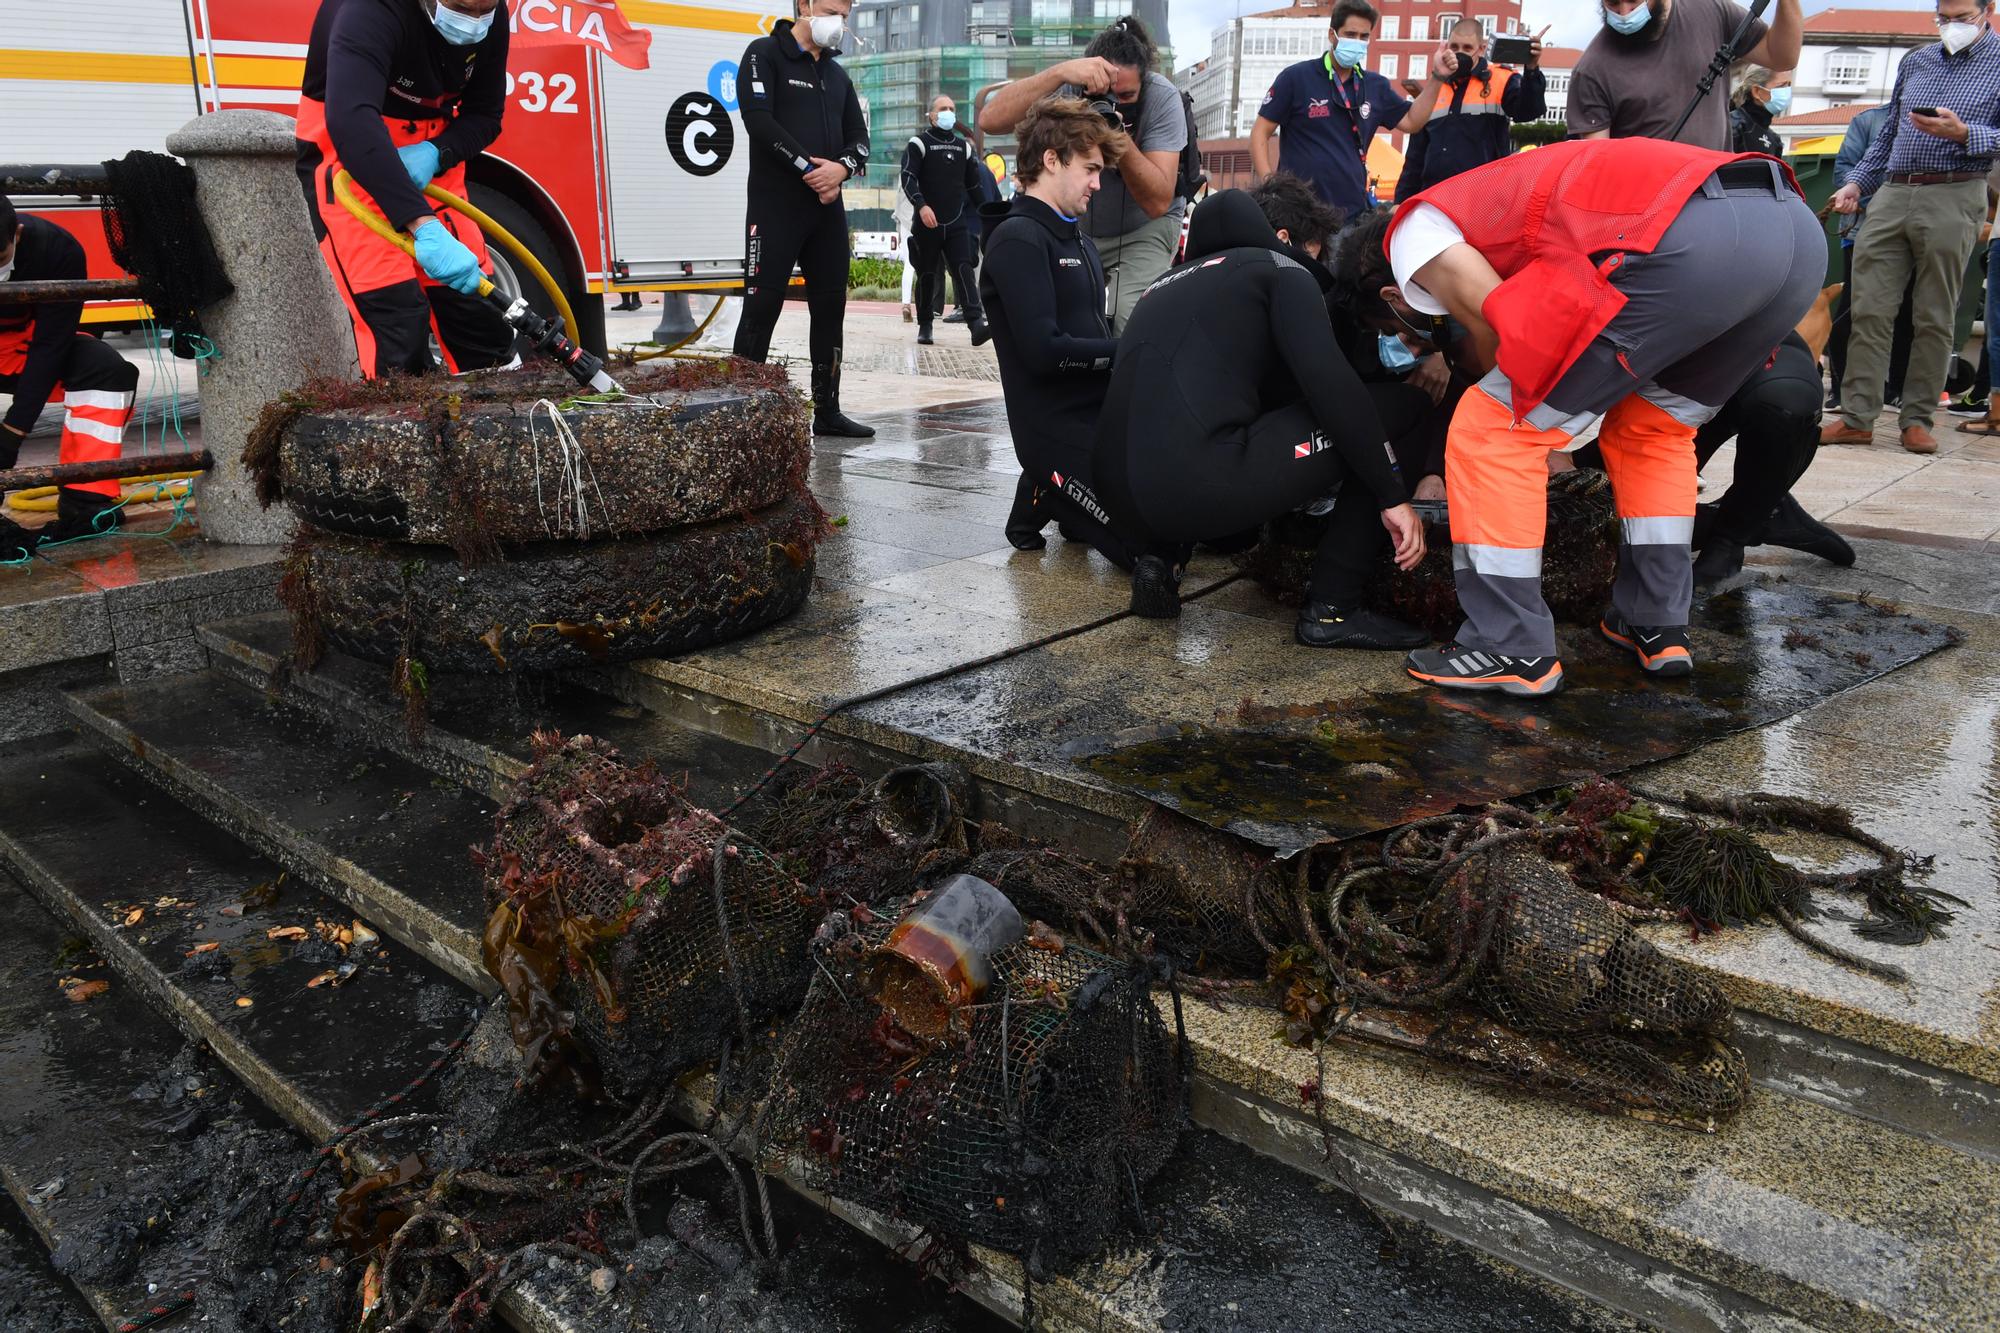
(1066,125)
(1126,42)
(1354,9)
(1361,268)
(1294,207)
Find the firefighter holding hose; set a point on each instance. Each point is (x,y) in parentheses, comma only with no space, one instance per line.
(400,94)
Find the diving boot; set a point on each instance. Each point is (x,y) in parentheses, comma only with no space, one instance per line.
(1720,558)
(1790,526)
(1156,589)
(1459,668)
(1025,520)
(828,419)
(1325,626)
(982,333)
(1663,650)
(16,542)
(924,338)
(82,513)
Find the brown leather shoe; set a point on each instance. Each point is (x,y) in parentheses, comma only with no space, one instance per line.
(1839,432)
(1919,440)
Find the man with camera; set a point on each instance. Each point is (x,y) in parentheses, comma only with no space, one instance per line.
(1325,112)
(1471,128)
(941,178)
(1135,219)
(1927,170)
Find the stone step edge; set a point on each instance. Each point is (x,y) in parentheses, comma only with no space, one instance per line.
(479,767)
(18,1189)
(703,700)
(440,942)
(1631,1295)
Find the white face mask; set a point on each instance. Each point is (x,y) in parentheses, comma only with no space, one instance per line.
(461,29)
(6,270)
(1958,36)
(827,30)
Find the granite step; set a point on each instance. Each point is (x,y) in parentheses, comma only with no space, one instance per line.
(352,819)
(1657,1241)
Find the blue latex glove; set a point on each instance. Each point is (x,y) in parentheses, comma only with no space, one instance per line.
(421,161)
(444,257)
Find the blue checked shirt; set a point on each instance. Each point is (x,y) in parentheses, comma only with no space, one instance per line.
(1968,83)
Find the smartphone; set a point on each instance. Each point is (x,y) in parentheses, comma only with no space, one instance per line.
(1510,51)
(1923,111)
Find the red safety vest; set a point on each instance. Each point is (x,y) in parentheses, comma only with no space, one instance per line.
(1539,217)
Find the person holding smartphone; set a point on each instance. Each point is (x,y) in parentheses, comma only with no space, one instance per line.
(1927,173)
(1469,128)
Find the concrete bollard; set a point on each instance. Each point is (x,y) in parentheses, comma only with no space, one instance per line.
(676,319)
(285,323)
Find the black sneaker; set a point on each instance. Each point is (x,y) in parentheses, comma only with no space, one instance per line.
(83,514)
(982,334)
(1965,405)
(1324,626)
(1661,649)
(1791,527)
(1458,668)
(955,317)
(1156,589)
(924,335)
(16,542)
(1833,399)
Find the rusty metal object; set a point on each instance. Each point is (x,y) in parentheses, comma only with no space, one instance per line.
(69,289)
(939,958)
(109,469)
(82,180)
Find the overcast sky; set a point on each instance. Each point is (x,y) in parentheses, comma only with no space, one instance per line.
(1571,21)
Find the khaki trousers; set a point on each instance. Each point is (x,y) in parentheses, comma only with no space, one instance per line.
(1920,232)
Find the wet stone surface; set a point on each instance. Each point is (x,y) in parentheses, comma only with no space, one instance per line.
(31,1295)
(1302,773)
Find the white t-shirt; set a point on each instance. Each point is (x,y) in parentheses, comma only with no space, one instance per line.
(1418,239)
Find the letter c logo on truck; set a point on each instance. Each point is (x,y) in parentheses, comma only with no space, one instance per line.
(699,134)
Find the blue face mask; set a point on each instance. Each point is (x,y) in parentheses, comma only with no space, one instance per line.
(947,119)
(1779,102)
(1394,356)
(1349,52)
(461,29)
(1629,24)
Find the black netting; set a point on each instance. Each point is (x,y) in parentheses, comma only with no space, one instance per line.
(1030,1129)
(157,234)
(680,931)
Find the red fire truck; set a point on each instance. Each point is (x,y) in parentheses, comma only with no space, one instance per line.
(619,178)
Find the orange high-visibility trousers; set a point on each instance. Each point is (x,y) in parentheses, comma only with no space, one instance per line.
(97,389)
(1496,479)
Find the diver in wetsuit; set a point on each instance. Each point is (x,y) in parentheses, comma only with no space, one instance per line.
(1231,404)
(1043,289)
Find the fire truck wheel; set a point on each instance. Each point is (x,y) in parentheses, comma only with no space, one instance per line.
(499,458)
(514,279)
(557,606)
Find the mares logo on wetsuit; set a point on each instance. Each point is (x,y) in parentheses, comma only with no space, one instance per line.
(1080,493)
(699,134)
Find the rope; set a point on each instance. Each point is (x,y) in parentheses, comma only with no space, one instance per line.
(930,678)
(573,465)
(159,1314)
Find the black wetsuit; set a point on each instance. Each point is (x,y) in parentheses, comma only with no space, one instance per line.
(1231,403)
(940,171)
(796,108)
(1044,293)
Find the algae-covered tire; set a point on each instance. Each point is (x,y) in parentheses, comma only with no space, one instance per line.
(562,604)
(512,457)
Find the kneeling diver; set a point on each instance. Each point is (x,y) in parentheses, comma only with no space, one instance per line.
(1231,404)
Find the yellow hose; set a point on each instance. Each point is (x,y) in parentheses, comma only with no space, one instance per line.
(42,499)
(343,189)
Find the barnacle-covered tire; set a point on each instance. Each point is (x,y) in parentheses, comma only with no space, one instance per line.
(485,456)
(563,604)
